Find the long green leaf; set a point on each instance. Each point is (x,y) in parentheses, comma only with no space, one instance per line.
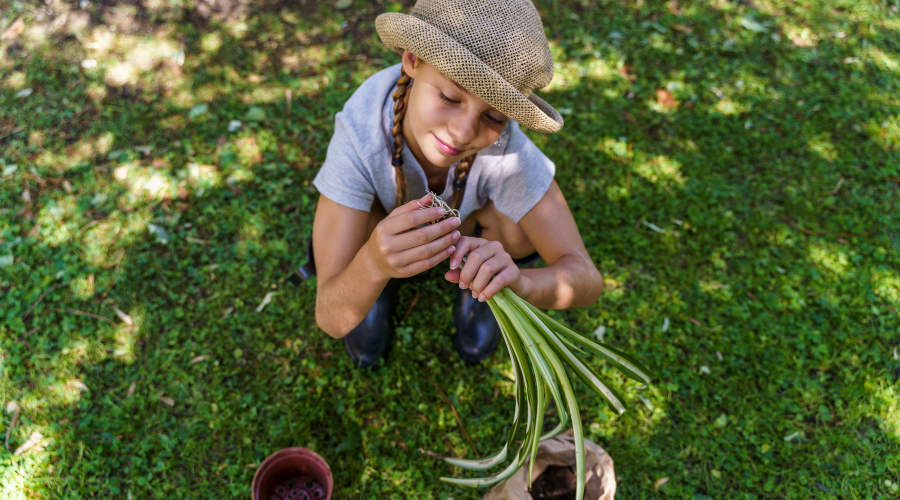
(486,481)
(504,304)
(576,418)
(506,299)
(536,353)
(482,464)
(584,372)
(626,363)
(516,362)
(523,380)
(538,426)
(526,328)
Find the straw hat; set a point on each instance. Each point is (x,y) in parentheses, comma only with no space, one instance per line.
(494,48)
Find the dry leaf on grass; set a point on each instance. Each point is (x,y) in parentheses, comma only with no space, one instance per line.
(33,440)
(131,388)
(14,30)
(803,43)
(265,301)
(665,99)
(625,71)
(674,7)
(659,482)
(124,317)
(77,384)
(202,357)
(166,400)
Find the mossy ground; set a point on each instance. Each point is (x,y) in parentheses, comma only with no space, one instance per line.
(733,168)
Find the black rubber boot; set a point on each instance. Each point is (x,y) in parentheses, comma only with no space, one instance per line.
(371,339)
(477,330)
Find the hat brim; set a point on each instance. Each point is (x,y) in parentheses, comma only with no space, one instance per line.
(402,31)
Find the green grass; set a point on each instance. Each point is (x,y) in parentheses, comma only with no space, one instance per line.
(780,291)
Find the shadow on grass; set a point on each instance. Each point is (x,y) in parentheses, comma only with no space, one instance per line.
(724,217)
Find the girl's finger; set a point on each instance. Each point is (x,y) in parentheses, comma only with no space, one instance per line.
(465,245)
(452,276)
(505,277)
(423,235)
(423,265)
(423,252)
(490,267)
(413,205)
(405,221)
(474,260)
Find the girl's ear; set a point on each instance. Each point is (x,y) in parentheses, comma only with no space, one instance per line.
(410,62)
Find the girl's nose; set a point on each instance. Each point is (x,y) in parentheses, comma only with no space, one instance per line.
(463,129)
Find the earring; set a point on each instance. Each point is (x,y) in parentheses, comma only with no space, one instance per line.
(502,139)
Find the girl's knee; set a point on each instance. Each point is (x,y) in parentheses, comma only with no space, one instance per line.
(499,227)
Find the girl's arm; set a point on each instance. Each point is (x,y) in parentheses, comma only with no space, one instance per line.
(570,278)
(353,267)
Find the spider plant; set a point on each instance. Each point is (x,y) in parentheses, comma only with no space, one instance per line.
(541,349)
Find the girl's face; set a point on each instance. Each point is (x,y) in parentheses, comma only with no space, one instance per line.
(444,122)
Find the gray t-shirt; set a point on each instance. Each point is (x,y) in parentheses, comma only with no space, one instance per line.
(512,172)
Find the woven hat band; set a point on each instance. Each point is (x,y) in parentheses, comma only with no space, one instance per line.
(506,35)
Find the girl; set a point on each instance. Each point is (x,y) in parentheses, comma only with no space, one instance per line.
(446,119)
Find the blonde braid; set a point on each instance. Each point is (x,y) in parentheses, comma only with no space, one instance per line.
(459,186)
(401,98)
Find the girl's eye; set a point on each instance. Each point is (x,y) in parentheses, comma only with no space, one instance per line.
(451,101)
(446,99)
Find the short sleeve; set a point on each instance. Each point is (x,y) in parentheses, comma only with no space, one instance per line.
(344,177)
(521,178)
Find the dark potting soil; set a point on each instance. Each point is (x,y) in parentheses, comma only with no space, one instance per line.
(555,483)
(298,488)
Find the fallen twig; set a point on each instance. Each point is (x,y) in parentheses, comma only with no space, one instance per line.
(411,306)
(836,188)
(14,407)
(819,233)
(11,132)
(82,313)
(116,262)
(54,287)
(27,334)
(456,415)
(431,454)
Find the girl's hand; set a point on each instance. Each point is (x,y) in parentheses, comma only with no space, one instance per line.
(486,259)
(397,250)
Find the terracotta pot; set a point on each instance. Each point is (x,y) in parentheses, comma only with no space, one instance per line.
(289,463)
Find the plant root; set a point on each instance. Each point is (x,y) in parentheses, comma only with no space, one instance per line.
(437,202)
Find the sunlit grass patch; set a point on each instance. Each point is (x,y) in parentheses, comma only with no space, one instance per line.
(831,257)
(887,285)
(661,170)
